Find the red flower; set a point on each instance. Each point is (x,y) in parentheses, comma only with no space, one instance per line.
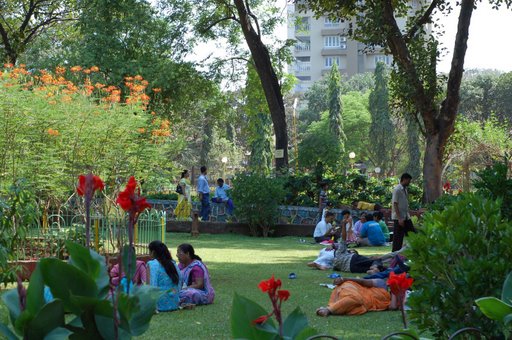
(129,200)
(283,295)
(270,285)
(88,184)
(260,320)
(399,283)
(447,186)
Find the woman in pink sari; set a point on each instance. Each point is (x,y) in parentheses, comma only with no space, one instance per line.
(197,289)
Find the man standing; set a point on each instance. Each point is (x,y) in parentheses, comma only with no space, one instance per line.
(400,212)
(203,190)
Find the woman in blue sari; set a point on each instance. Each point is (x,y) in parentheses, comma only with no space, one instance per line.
(164,274)
(197,289)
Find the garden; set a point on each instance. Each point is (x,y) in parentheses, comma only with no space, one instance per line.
(103,104)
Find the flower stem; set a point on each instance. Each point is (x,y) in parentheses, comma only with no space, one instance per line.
(401,303)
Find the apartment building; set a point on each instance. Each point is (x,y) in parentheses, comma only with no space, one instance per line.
(320,43)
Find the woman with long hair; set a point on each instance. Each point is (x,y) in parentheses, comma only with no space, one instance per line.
(197,289)
(184,206)
(164,274)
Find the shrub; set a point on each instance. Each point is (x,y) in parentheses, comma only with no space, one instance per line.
(462,253)
(257,198)
(493,183)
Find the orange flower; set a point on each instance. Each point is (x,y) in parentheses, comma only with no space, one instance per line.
(75,69)
(8,65)
(128,78)
(144,82)
(138,77)
(22,66)
(52,102)
(87,71)
(99,85)
(157,90)
(153,113)
(144,97)
(53,132)
(60,70)
(141,130)
(95,69)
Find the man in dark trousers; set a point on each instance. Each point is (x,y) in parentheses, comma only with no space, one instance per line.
(400,212)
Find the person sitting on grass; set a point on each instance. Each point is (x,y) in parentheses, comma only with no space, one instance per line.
(347,227)
(221,196)
(139,278)
(371,233)
(359,224)
(197,289)
(324,230)
(378,217)
(353,296)
(164,274)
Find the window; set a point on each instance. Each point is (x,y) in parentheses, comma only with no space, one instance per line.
(329,61)
(331,23)
(382,59)
(335,41)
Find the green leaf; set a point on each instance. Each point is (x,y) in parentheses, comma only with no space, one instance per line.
(89,262)
(506,293)
(243,312)
(146,298)
(58,334)
(129,261)
(507,319)
(11,300)
(306,333)
(76,282)
(5,331)
(494,308)
(50,317)
(35,292)
(294,323)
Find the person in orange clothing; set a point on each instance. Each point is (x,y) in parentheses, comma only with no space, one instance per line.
(353,296)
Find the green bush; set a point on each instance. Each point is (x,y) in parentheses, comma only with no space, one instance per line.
(493,183)
(257,198)
(162,196)
(462,253)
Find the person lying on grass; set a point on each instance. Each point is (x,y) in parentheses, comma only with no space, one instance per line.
(353,296)
(338,257)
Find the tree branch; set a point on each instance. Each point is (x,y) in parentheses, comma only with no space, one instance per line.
(253,17)
(425,18)
(207,28)
(28,16)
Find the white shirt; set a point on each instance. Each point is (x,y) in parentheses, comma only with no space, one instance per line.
(400,197)
(321,228)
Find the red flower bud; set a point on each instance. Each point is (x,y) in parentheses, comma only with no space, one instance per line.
(283,295)
(260,320)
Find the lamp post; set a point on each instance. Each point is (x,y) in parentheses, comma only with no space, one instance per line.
(352,156)
(224,160)
(377,171)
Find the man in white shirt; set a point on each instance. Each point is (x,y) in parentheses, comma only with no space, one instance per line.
(203,189)
(400,212)
(324,230)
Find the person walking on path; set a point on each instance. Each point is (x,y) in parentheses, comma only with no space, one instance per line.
(203,189)
(400,212)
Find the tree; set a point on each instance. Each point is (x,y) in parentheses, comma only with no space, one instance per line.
(21,21)
(259,124)
(415,53)
(477,94)
(213,21)
(336,105)
(413,166)
(503,93)
(382,135)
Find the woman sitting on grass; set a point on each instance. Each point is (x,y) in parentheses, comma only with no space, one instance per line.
(164,274)
(353,296)
(197,289)
(119,278)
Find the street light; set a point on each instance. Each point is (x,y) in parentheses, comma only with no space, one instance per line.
(352,155)
(224,160)
(377,171)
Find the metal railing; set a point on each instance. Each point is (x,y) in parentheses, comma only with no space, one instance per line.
(302,47)
(47,235)
(302,67)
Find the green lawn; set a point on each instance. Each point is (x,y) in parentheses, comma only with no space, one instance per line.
(238,263)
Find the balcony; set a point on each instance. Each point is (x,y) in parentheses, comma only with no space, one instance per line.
(302,29)
(302,47)
(302,67)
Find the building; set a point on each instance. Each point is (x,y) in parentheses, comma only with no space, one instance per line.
(320,43)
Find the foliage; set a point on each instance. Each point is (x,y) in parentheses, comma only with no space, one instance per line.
(478,94)
(494,182)
(336,106)
(257,199)
(499,310)
(18,209)
(83,293)
(382,134)
(250,321)
(413,166)
(58,125)
(162,196)
(319,144)
(461,254)
(503,97)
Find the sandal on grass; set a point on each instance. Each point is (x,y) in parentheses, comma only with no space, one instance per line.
(323,311)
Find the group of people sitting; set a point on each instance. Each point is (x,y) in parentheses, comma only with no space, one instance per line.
(184,285)
(369,230)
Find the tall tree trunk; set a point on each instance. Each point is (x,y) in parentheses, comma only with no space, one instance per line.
(269,81)
(432,169)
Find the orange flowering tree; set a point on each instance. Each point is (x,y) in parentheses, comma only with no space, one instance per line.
(56,125)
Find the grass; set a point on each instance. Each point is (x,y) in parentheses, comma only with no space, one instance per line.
(238,263)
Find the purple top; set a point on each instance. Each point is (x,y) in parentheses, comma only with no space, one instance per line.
(195,272)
